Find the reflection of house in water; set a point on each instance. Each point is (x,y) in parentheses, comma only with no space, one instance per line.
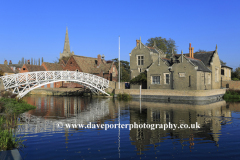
(210,117)
(75,110)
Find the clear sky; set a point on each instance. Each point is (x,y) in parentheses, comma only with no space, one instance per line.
(36,28)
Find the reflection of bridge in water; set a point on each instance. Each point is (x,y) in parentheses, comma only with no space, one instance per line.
(74,110)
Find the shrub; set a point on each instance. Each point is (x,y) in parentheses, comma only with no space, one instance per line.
(235,79)
(124,96)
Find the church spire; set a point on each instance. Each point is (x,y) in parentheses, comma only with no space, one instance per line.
(66,48)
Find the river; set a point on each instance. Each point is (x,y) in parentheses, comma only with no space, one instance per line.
(207,131)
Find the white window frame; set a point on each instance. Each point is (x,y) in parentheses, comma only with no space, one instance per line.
(165,80)
(156,76)
(140,60)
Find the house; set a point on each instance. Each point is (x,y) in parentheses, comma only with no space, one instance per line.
(97,66)
(191,71)
(226,73)
(53,67)
(31,68)
(6,70)
(15,67)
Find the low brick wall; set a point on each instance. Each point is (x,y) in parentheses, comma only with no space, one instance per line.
(231,84)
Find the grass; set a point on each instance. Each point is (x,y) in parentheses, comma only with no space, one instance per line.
(12,107)
(8,140)
(232,95)
(124,96)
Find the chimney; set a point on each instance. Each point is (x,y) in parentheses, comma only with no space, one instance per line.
(98,60)
(190,50)
(5,62)
(10,62)
(28,62)
(137,42)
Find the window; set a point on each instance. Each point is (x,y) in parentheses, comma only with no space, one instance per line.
(209,79)
(24,69)
(229,72)
(155,79)
(189,81)
(216,74)
(166,78)
(140,60)
(222,71)
(77,70)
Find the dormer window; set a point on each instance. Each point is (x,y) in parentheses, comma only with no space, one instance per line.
(140,60)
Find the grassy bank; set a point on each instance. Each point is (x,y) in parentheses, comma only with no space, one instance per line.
(10,108)
(232,95)
(124,96)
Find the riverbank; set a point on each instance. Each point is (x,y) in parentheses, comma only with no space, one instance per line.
(174,95)
(10,108)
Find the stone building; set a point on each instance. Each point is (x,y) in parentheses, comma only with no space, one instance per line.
(226,73)
(191,71)
(66,50)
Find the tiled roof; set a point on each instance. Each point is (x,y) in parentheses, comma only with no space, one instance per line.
(89,64)
(200,64)
(34,68)
(205,57)
(153,50)
(4,68)
(16,65)
(52,66)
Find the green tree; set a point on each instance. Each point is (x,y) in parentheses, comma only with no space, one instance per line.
(125,69)
(140,79)
(167,46)
(200,50)
(235,75)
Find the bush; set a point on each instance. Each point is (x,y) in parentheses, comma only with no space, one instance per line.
(235,79)
(124,96)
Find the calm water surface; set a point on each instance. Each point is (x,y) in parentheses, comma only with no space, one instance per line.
(217,137)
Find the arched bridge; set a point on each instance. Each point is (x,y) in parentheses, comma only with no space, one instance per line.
(23,83)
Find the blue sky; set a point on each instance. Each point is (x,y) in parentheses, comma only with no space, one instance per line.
(34,29)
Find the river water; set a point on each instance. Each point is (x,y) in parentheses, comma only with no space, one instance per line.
(209,131)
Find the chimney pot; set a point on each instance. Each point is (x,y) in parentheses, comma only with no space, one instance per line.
(137,41)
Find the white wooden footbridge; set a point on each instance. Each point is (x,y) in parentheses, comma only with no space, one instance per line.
(23,83)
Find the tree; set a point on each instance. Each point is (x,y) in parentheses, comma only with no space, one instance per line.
(42,59)
(167,46)
(200,50)
(235,75)
(140,79)
(125,69)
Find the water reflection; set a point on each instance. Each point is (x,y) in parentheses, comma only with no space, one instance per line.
(50,110)
(210,117)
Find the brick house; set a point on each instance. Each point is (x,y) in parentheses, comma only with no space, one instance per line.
(97,66)
(53,67)
(191,71)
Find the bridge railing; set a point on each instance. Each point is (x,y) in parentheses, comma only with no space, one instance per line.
(14,80)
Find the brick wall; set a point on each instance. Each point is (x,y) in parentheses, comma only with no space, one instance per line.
(232,84)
